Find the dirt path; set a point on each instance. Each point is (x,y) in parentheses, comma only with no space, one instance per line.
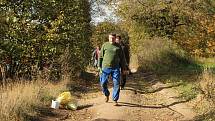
(135,105)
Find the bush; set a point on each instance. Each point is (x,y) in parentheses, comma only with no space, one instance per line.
(39,37)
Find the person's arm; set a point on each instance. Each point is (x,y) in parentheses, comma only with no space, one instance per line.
(122,59)
(127,56)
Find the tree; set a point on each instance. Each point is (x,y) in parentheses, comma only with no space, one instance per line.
(187,23)
(37,30)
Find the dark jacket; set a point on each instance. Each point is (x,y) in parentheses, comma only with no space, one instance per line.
(125,49)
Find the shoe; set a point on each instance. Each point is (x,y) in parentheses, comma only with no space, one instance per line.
(106,99)
(116,103)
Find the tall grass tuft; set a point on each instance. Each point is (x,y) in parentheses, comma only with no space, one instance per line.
(205,104)
(19,101)
(207,86)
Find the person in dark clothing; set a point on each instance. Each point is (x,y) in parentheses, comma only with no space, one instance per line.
(126,56)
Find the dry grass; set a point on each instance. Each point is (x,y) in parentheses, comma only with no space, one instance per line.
(207,86)
(134,62)
(205,101)
(18,101)
(151,52)
(162,55)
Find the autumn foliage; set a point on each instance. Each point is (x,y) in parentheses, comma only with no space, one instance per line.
(189,24)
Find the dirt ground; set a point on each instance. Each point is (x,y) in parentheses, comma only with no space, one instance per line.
(135,104)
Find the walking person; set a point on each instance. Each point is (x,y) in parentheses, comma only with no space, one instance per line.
(95,57)
(126,57)
(110,62)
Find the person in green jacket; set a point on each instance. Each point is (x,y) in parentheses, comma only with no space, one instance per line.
(110,62)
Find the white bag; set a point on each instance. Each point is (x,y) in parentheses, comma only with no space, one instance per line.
(55,104)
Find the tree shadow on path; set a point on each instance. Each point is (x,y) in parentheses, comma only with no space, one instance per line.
(151,91)
(151,106)
(102,119)
(142,83)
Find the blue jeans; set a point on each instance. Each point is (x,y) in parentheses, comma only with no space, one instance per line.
(115,74)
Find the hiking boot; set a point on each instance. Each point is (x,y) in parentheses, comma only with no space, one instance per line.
(106,99)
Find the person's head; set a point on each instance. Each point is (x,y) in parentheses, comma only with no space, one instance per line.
(97,47)
(112,38)
(118,39)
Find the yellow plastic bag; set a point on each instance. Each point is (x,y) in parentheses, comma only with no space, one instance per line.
(64,98)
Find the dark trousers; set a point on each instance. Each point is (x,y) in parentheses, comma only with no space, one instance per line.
(123,80)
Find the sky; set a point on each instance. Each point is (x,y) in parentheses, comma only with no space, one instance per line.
(105,14)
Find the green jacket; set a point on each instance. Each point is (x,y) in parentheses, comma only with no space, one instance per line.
(111,55)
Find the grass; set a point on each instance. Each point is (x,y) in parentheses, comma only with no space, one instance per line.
(206,106)
(19,101)
(188,91)
(172,65)
(207,63)
(209,116)
(194,85)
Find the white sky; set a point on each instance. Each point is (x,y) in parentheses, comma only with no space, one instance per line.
(107,15)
